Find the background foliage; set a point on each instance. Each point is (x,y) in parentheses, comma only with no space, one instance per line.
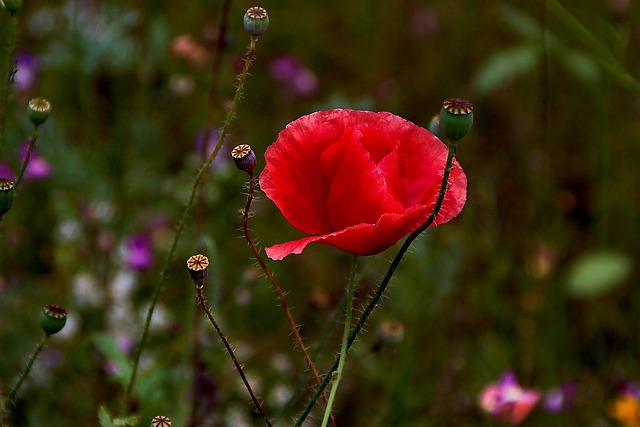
(538,273)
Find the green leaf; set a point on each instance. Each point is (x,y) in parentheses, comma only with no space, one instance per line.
(110,349)
(596,273)
(104,418)
(505,66)
(582,66)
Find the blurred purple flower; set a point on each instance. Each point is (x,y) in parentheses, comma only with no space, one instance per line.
(38,167)
(424,22)
(6,171)
(296,79)
(138,253)
(559,398)
(111,367)
(504,400)
(223,158)
(27,66)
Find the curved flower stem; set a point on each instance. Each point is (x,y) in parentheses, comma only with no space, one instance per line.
(281,295)
(11,39)
(23,376)
(203,303)
(183,220)
(385,281)
(345,336)
(32,143)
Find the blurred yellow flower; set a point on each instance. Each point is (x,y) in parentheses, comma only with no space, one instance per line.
(626,410)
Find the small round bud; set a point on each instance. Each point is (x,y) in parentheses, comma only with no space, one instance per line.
(456,118)
(244,157)
(160,421)
(12,6)
(256,21)
(7,193)
(434,127)
(38,110)
(198,266)
(390,332)
(52,318)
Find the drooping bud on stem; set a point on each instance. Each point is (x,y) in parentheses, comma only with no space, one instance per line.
(198,266)
(456,118)
(52,319)
(38,110)
(7,193)
(244,158)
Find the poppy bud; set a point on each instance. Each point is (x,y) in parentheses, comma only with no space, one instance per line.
(244,157)
(52,318)
(456,118)
(7,193)
(160,421)
(256,21)
(198,266)
(12,6)
(38,110)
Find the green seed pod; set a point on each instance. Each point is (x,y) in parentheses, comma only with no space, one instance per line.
(12,6)
(38,110)
(7,193)
(456,118)
(52,318)
(256,21)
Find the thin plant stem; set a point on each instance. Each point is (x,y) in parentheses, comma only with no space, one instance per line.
(603,54)
(345,337)
(183,220)
(383,284)
(203,303)
(32,143)
(11,47)
(201,215)
(276,286)
(25,373)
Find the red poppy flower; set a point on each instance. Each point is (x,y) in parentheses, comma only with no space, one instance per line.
(357,180)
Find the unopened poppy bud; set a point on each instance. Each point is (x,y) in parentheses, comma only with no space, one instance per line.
(52,318)
(38,110)
(160,421)
(256,21)
(244,157)
(7,193)
(12,6)
(198,266)
(456,118)
(434,127)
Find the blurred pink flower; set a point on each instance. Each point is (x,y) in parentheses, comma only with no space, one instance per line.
(296,79)
(27,69)
(506,401)
(38,167)
(138,253)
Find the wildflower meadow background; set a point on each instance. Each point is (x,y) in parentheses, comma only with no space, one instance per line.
(525,309)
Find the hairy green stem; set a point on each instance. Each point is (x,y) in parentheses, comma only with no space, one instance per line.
(23,376)
(345,336)
(32,143)
(203,303)
(183,220)
(11,47)
(383,285)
